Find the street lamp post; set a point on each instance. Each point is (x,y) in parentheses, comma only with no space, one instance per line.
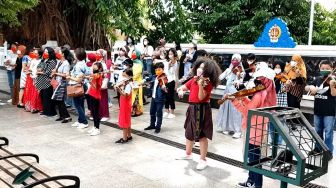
(311,22)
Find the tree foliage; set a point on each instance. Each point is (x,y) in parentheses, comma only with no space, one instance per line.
(324,27)
(242,21)
(9,10)
(170,21)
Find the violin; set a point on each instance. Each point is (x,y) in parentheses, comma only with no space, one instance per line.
(163,80)
(291,72)
(205,81)
(244,93)
(332,76)
(122,84)
(283,78)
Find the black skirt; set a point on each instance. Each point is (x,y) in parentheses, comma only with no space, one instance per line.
(198,123)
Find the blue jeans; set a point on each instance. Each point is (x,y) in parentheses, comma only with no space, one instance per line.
(254,155)
(187,67)
(271,130)
(156,114)
(149,66)
(69,101)
(11,78)
(324,127)
(79,105)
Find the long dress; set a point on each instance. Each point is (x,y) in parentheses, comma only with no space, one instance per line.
(137,78)
(125,111)
(228,117)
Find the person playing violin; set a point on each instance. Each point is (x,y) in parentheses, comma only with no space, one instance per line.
(158,98)
(262,98)
(228,118)
(324,90)
(198,124)
(297,77)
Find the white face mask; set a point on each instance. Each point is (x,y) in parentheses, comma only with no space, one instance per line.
(293,63)
(145,43)
(171,57)
(18,52)
(249,62)
(277,71)
(129,41)
(199,72)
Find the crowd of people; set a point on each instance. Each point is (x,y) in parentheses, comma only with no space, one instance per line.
(43,80)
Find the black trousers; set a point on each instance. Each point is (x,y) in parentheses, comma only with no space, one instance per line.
(63,112)
(94,108)
(170,97)
(293,101)
(47,102)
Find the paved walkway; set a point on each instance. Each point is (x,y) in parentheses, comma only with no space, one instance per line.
(99,162)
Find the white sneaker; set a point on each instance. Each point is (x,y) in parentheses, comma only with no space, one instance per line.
(165,114)
(90,131)
(202,164)
(90,118)
(75,124)
(82,126)
(9,101)
(186,157)
(171,116)
(237,135)
(226,132)
(95,132)
(197,144)
(104,119)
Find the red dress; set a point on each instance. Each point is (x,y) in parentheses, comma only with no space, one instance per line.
(31,96)
(125,111)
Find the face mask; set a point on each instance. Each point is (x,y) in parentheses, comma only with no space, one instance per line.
(158,72)
(129,41)
(199,72)
(249,62)
(162,57)
(124,67)
(134,56)
(235,63)
(45,55)
(145,43)
(13,49)
(277,71)
(18,52)
(95,71)
(325,72)
(98,57)
(32,55)
(59,56)
(293,63)
(171,57)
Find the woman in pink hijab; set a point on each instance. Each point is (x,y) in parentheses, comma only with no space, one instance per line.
(263,98)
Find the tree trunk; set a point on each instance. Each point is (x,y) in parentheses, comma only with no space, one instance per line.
(58,20)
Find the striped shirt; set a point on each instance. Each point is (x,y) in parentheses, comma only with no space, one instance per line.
(43,80)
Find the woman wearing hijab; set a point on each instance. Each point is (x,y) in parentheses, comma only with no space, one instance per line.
(228,118)
(137,81)
(44,70)
(263,98)
(297,77)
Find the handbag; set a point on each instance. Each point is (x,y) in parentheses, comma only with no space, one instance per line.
(54,83)
(75,90)
(104,83)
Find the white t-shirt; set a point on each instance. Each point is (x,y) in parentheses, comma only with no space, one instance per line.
(170,71)
(156,83)
(33,67)
(12,58)
(128,89)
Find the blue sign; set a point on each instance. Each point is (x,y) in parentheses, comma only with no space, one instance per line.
(275,35)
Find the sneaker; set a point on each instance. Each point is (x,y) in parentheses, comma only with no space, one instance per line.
(149,128)
(91,130)
(104,119)
(186,157)
(9,101)
(165,114)
(171,116)
(202,164)
(95,132)
(226,132)
(82,126)
(237,135)
(246,185)
(75,124)
(197,144)
(90,118)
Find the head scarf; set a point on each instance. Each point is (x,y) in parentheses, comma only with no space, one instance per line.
(92,59)
(262,69)
(237,57)
(268,96)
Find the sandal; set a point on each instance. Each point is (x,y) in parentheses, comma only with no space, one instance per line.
(129,138)
(121,141)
